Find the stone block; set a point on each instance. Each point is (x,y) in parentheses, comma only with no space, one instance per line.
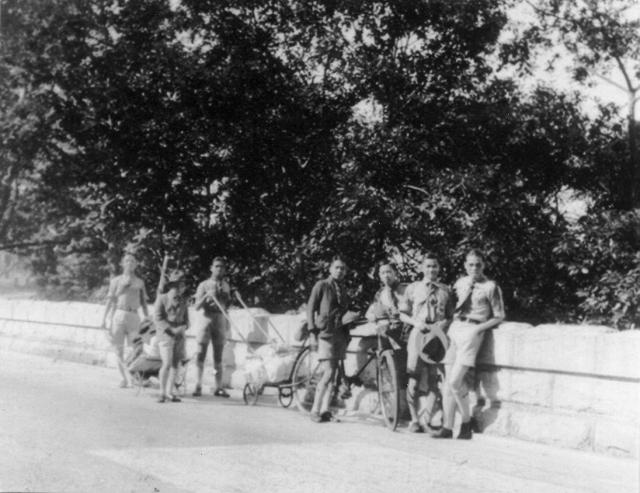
(497,346)
(618,399)
(558,347)
(493,386)
(617,438)
(610,397)
(618,354)
(533,388)
(572,431)
(573,392)
(492,420)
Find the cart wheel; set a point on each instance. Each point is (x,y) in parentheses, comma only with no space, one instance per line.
(250,394)
(304,379)
(388,389)
(285,396)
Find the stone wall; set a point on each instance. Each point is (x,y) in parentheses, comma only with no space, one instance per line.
(571,386)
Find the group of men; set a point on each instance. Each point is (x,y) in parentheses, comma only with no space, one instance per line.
(430,311)
(171,316)
(425,310)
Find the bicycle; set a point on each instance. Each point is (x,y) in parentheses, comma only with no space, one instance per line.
(305,376)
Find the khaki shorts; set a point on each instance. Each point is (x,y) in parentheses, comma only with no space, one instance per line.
(464,344)
(172,349)
(125,324)
(215,330)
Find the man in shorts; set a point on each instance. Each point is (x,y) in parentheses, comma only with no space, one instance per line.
(126,295)
(213,296)
(327,304)
(479,307)
(171,315)
(429,308)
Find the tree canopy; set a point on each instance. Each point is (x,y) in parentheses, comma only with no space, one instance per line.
(277,133)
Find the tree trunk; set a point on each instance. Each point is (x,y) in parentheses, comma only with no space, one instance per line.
(632,173)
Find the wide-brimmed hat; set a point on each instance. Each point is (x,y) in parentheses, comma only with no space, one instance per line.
(175,277)
(432,346)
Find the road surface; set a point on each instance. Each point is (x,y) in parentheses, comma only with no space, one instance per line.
(67,427)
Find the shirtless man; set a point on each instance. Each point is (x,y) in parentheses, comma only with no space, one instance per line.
(126,295)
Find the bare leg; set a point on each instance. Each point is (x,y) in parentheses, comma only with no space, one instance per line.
(457,388)
(126,376)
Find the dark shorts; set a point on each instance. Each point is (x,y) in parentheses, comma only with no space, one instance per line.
(333,347)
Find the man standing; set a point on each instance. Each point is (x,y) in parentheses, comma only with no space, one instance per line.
(429,308)
(126,294)
(479,307)
(389,299)
(213,296)
(172,320)
(327,304)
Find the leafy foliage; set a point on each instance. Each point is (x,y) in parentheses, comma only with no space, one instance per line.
(277,133)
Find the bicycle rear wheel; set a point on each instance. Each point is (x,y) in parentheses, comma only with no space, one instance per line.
(304,379)
(389,389)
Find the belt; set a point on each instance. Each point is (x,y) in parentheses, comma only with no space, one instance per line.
(127,309)
(469,320)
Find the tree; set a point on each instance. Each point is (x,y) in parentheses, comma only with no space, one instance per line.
(602,36)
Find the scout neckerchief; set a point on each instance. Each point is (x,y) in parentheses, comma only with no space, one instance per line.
(432,301)
(464,302)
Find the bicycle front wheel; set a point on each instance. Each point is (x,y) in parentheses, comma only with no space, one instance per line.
(389,389)
(304,379)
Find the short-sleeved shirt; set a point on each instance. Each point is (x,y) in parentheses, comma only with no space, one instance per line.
(429,301)
(388,301)
(480,300)
(127,292)
(171,311)
(220,289)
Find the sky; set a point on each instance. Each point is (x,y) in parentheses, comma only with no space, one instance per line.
(595,90)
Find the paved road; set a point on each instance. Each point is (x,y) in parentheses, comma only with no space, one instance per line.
(67,427)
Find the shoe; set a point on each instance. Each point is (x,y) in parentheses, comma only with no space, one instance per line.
(443,433)
(221,393)
(326,416)
(175,398)
(465,431)
(197,392)
(415,427)
(162,399)
(316,418)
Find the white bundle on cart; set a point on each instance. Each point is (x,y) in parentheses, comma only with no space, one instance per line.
(278,362)
(255,371)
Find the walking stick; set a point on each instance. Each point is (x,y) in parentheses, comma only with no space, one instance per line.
(265,332)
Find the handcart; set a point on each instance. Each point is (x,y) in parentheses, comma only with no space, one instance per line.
(271,365)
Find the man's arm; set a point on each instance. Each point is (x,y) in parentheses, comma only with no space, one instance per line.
(497,309)
(313,305)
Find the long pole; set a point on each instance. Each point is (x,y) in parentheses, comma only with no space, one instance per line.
(244,305)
